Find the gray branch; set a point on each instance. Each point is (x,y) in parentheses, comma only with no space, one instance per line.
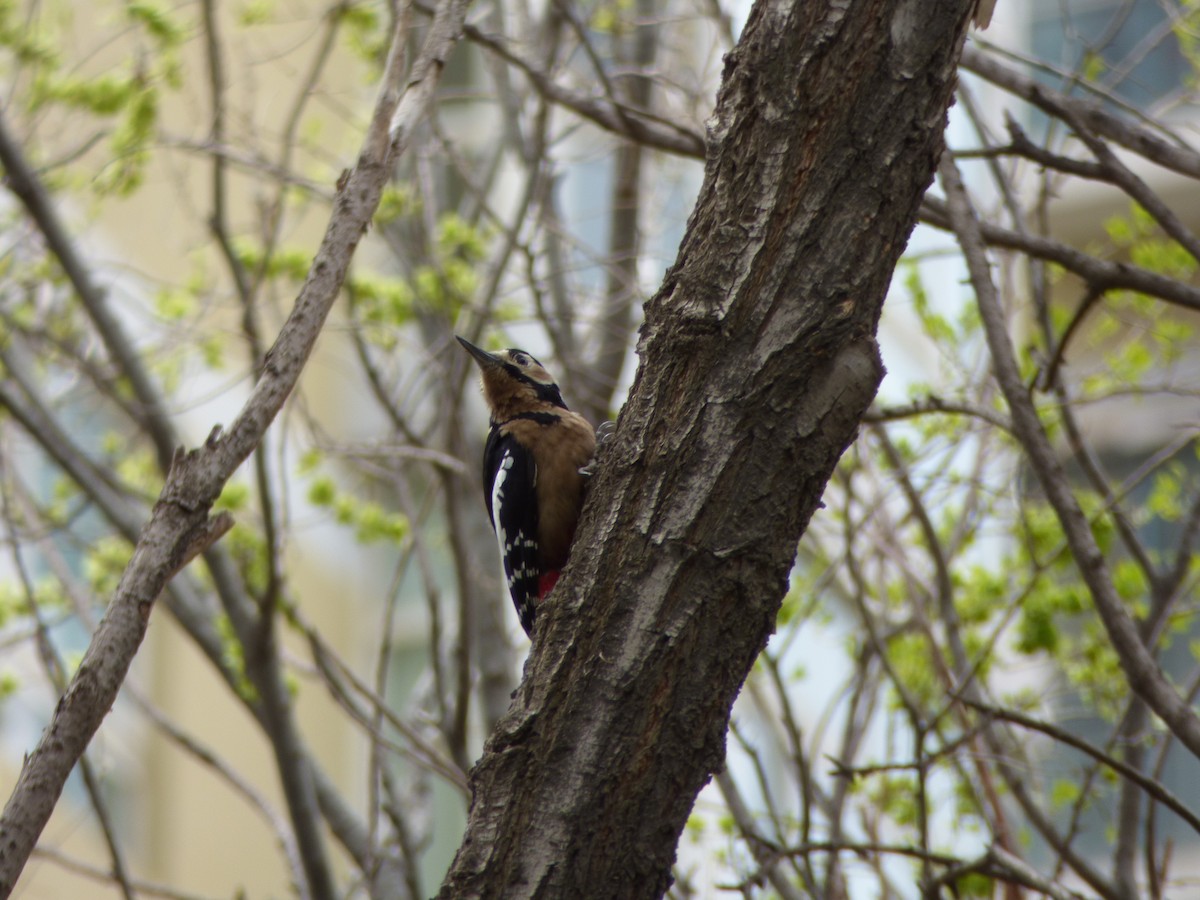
(1145,676)
(180,520)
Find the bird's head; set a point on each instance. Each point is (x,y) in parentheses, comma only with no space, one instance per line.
(514,382)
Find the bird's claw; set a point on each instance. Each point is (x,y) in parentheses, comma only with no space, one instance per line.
(604,434)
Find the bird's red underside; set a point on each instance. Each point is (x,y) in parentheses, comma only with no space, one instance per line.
(546,582)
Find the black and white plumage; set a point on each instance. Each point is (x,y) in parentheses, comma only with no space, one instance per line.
(513,475)
(531,479)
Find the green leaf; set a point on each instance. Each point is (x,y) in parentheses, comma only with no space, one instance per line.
(104,95)
(322,492)
(156,18)
(974,884)
(105,562)
(174,305)
(234,496)
(1064,793)
(255,12)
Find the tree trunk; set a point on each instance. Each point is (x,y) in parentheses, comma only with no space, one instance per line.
(758,360)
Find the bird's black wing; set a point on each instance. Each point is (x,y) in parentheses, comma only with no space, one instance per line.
(509,486)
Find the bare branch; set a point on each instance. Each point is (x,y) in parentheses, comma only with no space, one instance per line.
(1145,677)
(626,121)
(1172,154)
(24,184)
(180,517)
(1098,274)
(1152,787)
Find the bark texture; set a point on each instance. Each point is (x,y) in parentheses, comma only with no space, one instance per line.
(758,360)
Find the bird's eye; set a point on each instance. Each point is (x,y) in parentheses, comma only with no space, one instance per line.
(520,359)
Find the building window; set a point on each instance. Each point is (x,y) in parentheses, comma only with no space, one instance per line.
(1133,44)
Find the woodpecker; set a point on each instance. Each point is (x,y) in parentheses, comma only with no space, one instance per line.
(532,482)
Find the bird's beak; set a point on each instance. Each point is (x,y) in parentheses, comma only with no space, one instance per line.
(482,357)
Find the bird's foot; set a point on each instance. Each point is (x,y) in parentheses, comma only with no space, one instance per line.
(604,434)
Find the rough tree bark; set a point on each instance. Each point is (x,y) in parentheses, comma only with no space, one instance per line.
(758,360)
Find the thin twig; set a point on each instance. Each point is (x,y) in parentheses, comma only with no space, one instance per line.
(196,478)
(1144,675)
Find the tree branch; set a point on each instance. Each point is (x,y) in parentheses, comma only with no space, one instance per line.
(1175,155)
(24,184)
(1153,788)
(1098,274)
(1145,677)
(195,479)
